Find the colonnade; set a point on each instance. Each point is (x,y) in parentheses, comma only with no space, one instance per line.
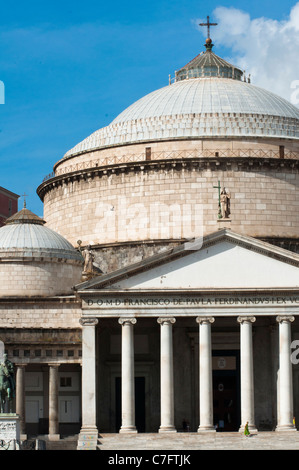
(285,387)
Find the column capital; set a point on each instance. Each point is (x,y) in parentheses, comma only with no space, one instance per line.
(201,320)
(248,318)
(163,320)
(88,321)
(285,318)
(123,321)
(20,364)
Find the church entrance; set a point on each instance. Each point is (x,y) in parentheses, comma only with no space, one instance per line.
(139,403)
(226,390)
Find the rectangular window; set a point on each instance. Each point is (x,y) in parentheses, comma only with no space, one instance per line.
(65,381)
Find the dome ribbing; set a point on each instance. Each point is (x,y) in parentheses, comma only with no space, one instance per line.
(199,108)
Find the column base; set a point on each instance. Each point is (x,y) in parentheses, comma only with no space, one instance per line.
(285,428)
(166,429)
(88,439)
(128,430)
(206,429)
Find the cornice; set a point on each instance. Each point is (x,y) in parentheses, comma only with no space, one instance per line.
(200,164)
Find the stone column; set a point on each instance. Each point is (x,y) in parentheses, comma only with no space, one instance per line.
(205,375)
(89,432)
(166,375)
(127,376)
(285,392)
(53,402)
(247,382)
(20,398)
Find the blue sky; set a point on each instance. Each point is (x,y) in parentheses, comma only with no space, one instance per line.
(69,67)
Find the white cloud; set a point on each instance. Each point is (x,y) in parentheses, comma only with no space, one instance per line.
(266,48)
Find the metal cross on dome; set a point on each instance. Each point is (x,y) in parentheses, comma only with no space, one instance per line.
(24,196)
(208,24)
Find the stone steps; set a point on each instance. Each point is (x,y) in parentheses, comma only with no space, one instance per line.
(186,441)
(200,441)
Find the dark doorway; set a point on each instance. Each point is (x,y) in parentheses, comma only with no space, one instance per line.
(226,390)
(139,403)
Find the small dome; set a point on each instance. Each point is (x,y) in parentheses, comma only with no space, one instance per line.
(208,64)
(26,235)
(35,260)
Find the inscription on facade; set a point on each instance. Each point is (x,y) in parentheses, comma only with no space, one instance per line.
(124,302)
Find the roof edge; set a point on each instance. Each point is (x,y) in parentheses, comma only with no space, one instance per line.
(185,249)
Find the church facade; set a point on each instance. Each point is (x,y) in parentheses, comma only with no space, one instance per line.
(161,293)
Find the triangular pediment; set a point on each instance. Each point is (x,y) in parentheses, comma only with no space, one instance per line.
(223,260)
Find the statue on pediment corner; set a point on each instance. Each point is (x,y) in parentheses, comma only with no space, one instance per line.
(90,267)
(88,256)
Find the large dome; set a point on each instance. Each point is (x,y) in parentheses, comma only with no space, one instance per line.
(149,180)
(208,95)
(199,107)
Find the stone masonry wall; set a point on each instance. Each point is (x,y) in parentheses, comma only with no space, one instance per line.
(175,201)
(37,313)
(37,278)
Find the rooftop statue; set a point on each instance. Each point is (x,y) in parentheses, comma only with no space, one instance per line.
(225,204)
